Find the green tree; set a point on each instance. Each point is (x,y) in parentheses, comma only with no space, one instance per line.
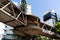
(23,6)
(57,26)
(38,37)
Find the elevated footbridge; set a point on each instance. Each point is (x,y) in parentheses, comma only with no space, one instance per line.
(24,24)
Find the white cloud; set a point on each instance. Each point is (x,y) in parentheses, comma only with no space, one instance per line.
(16,3)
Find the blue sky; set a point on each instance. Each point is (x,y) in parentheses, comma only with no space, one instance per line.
(41,6)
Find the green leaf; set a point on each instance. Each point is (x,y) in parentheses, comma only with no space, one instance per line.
(57,26)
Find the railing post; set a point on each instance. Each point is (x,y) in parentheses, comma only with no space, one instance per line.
(6,5)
